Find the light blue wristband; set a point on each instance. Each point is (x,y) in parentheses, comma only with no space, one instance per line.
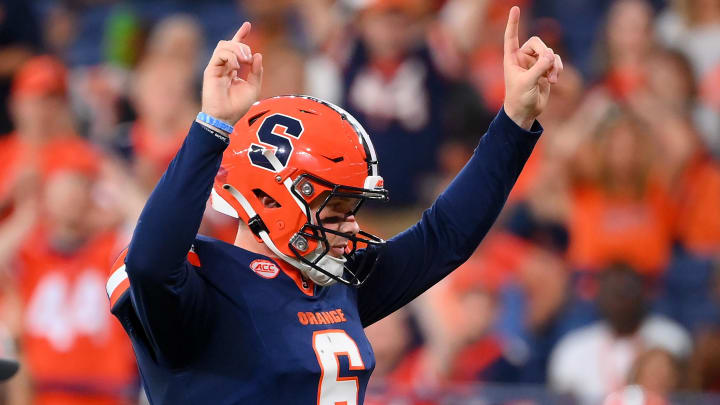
(214,122)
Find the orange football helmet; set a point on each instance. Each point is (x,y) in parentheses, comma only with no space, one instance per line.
(297,149)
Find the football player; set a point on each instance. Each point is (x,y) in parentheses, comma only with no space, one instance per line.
(278,316)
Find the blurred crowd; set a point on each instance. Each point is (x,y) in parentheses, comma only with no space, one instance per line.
(599,282)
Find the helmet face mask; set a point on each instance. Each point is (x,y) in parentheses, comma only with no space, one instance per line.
(315,229)
(310,157)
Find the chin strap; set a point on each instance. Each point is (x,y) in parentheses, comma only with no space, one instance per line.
(330,264)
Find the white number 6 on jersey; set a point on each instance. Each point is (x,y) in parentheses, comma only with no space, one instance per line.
(333,389)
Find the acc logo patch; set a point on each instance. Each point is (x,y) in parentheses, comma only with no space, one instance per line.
(265,268)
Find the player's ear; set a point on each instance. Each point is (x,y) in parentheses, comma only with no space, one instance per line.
(265,199)
(269,202)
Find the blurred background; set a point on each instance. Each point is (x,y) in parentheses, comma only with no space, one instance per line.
(599,282)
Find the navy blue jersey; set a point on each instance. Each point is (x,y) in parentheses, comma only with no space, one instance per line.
(416,94)
(213,323)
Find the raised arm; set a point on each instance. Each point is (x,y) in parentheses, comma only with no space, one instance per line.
(452,228)
(167,294)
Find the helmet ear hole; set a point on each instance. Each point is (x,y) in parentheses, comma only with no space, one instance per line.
(265,199)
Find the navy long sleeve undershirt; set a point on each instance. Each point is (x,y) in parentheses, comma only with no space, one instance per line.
(450,231)
(168,296)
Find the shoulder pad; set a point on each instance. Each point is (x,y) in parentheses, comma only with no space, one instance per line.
(118,282)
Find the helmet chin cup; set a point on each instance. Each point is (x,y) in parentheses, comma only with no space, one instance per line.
(330,264)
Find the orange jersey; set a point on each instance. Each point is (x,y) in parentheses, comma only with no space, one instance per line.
(698,222)
(75,353)
(605,230)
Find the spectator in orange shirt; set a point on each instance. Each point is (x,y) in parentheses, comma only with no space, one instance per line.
(687,166)
(73,351)
(619,211)
(40,111)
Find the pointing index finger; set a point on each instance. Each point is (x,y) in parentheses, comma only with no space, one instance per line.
(242,32)
(511,31)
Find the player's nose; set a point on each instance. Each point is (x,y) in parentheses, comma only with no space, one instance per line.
(350,225)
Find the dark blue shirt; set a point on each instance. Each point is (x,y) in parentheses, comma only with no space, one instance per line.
(213,323)
(406,128)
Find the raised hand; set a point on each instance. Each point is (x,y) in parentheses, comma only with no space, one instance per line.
(232,79)
(530,70)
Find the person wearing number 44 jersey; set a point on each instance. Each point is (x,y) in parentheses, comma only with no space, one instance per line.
(278,316)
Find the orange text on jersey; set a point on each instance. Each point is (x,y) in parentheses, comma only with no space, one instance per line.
(321,318)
